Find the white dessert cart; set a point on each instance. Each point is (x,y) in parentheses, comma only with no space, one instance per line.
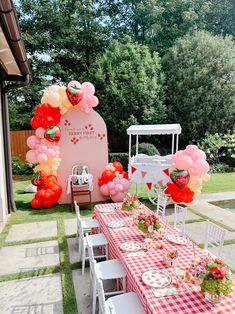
(152,170)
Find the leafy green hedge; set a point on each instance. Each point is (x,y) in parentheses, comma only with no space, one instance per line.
(20,167)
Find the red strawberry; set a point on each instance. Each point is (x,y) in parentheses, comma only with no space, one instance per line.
(74,94)
(39,178)
(180,178)
(52,133)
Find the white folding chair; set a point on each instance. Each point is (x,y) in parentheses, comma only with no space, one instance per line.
(97,240)
(120,304)
(161,206)
(214,237)
(180,213)
(87,225)
(106,270)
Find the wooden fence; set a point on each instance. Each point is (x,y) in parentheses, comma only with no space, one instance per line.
(19,147)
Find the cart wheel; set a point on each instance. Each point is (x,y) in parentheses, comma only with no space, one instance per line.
(153,194)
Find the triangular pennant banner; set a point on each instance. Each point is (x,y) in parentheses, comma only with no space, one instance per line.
(143,173)
(133,170)
(149,185)
(167,172)
(160,183)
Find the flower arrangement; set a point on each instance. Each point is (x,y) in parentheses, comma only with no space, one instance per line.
(147,223)
(172,254)
(213,276)
(170,257)
(216,278)
(130,202)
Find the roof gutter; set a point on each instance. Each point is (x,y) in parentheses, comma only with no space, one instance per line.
(6,138)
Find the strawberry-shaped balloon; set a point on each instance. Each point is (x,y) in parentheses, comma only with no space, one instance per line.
(52,134)
(39,178)
(180,178)
(74,94)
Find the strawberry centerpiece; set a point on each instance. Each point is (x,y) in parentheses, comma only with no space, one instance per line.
(148,223)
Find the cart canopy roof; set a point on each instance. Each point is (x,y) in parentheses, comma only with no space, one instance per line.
(154,129)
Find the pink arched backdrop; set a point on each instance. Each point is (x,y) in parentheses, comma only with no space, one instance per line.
(83,141)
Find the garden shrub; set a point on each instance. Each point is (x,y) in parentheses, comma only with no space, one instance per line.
(221,167)
(219,148)
(145,148)
(21,167)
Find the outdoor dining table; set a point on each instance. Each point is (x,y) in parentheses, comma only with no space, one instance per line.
(188,298)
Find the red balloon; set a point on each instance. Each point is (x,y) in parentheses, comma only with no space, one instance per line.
(125,174)
(36,203)
(48,203)
(118,166)
(40,194)
(107,176)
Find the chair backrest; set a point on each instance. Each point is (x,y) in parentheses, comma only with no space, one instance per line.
(77,210)
(214,237)
(80,229)
(180,213)
(79,169)
(102,304)
(90,254)
(161,205)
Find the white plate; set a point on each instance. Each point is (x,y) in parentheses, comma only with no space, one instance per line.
(156,278)
(131,246)
(106,210)
(176,239)
(116,224)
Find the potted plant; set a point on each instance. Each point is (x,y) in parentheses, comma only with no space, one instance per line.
(148,223)
(215,280)
(170,257)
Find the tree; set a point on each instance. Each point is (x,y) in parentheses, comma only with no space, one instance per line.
(200,84)
(62,39)
(128,83)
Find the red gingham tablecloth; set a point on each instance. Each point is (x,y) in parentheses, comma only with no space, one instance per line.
(190,300)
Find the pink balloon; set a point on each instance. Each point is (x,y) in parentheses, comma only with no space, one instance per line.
(33,142)
(202,166)
(125,183)
(74,83)
(118,197)
(51,152)
(104,190)
(183,162)
(201,154)
(31,156)
(112,192)
(92,100)
(88,88)
(42,157)
(118,188)
(40,132)
(42,148)
(116,180)
(191,149)
(111,185)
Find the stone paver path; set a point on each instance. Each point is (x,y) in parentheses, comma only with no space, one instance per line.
(196,231)
(21,258)
(73,250)
(34,230)
(70,226)
(32,295)
(82,295)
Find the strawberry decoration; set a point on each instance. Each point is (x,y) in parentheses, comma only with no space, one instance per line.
(74,94)
(39,178)
(180,178)
(52,134)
